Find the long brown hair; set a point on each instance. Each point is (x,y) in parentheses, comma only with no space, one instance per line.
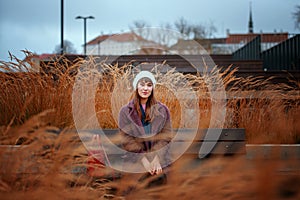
(150,102)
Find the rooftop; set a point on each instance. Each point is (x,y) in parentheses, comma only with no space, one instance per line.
(265,37)
(123,37)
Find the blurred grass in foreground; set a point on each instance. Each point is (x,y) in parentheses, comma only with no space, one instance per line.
(46,165)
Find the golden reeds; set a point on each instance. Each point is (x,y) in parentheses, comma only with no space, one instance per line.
(258,105)
(42,156)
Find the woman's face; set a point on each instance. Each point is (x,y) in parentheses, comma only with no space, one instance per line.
(144,88)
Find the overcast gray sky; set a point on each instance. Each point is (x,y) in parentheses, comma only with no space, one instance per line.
(34,25)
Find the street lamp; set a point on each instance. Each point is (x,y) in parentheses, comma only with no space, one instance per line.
(84,28)
(62,27)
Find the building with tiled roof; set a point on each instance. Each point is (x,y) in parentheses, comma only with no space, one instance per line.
(98,40)
(120,44)
(236,41)
(196,46)
(265,37)
(187,47)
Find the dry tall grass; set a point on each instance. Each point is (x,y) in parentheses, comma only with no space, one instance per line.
(25,93)
(51,166)
(258,105)
(35,107)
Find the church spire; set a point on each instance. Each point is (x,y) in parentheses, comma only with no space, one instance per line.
(250,25)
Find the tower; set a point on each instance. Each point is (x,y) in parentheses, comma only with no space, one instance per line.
(250,24)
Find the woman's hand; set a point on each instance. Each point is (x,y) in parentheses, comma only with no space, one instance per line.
(154,167)
(147,165)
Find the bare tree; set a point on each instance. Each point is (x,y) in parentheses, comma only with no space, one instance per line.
(166,25)
(138,26)
(196,31)
(68,48)
(183,27)
(167,34)
(199,31)
(296,16)
(211,29)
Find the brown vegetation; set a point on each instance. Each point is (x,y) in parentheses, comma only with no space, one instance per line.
(42,156)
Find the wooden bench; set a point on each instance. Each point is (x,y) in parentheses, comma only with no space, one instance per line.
(207,142)
(229,142)
(213,141)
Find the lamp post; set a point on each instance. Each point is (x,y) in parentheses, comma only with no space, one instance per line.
(62,27)
(84,28)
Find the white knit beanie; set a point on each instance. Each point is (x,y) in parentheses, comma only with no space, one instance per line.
(143,74)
